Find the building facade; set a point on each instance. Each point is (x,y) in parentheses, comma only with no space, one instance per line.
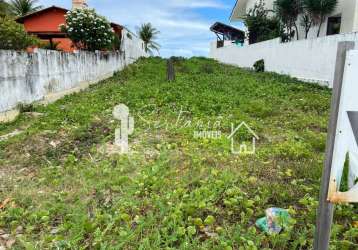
(45,24)
(343,20)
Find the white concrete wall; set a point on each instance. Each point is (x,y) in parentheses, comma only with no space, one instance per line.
(355,23)
(133,47)
(310,60)
(28,77)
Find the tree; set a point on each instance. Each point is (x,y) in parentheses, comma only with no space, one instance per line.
(23,7)
(13,36)
(149,34)
(260,26)
(306,22)
(318,10)
(287,11)
(88,30)
(4,8)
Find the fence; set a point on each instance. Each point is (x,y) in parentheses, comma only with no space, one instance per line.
(310,60)
(48,75)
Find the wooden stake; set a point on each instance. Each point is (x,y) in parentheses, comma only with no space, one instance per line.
(325,210)
(170,70)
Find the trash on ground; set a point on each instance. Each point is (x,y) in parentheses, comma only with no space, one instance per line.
(274,221)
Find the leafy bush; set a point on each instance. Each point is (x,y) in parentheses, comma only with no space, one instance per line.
(14,36)
(50,46)
(24,108)
(117,42)
(177,59)
(259,65)
(260,26)
(4,8)
(88,30)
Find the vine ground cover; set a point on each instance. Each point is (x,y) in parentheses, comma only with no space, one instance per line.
(59,190)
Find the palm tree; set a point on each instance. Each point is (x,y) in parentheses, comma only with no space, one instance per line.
(287,11)
(319,10)
(306,21)
(24,7)
(149,34)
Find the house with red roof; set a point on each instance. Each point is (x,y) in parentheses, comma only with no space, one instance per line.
(45,24)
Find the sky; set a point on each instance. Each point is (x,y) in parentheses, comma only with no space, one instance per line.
(183,24)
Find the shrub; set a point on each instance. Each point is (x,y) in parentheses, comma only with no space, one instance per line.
(50,46)
(260,26)
(117,42)
(4,8)
(14,36)
(259,65)
(177,59)
(88,30)
(25,108)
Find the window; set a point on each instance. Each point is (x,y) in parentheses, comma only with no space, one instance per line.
(334,25)
(220,44)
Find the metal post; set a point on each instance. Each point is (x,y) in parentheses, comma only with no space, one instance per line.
(325,210)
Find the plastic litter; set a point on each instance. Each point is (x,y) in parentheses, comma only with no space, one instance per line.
(274,221)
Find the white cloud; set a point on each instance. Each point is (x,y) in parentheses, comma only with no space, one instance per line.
(182,30)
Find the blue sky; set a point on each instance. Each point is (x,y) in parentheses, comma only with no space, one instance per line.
(184,24)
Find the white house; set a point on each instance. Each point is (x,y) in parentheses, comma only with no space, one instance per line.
(311,59)
(343,20)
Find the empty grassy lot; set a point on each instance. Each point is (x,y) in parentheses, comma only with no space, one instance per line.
(60,190)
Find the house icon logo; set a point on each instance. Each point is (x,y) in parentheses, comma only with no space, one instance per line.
(242,148)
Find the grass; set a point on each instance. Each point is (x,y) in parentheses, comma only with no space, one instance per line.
(173,191)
